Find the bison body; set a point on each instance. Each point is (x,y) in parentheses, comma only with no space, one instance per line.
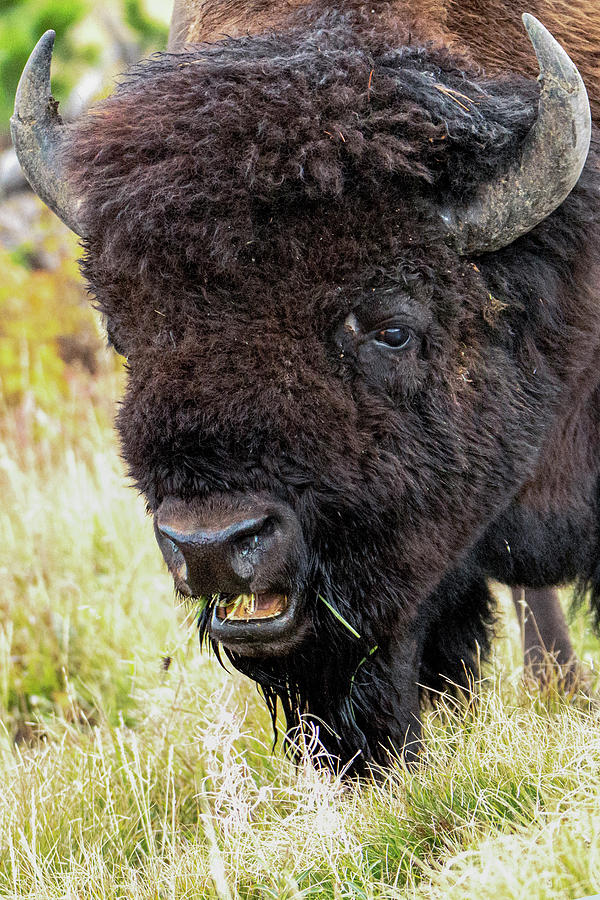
(328,406)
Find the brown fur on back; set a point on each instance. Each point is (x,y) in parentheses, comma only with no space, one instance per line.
(211,20)
(491,31)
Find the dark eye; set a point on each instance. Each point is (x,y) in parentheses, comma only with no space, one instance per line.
(397,337)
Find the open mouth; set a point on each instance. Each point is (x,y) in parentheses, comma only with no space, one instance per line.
(257,624)
(251,607)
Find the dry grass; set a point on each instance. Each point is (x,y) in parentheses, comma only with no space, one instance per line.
(130,781)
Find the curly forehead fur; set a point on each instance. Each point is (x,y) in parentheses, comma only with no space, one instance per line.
(200,157)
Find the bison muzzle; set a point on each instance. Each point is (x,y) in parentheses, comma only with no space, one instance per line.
(248,556)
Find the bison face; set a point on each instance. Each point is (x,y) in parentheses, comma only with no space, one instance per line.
(244,551)
(344,349)
(307,447)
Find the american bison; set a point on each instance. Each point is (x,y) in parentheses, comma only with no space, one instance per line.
(354,274)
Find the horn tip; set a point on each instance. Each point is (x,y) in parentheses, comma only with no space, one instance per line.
(536,30)
(45,45)
(554,61)
(36,74)
(529,20)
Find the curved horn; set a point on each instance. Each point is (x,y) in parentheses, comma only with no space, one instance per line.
(551,160)
(37,134)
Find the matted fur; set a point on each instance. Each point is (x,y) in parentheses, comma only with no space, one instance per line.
(243,199)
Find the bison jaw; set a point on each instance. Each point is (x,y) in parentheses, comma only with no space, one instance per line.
(261,624)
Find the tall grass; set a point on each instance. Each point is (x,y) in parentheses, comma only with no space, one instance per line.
(82,589)
(191,804)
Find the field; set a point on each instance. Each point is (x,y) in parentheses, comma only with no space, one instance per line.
(122,776)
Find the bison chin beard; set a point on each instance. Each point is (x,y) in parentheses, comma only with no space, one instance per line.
(358,687)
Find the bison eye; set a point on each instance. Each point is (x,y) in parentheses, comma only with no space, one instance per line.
(396,336)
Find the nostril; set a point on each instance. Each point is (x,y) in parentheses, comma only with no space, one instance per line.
(254,535)
(250,530)
(246,545)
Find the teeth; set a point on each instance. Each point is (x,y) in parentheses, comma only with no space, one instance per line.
(242,607)
(250,606)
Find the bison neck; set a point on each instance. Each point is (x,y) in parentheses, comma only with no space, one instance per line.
(194,21)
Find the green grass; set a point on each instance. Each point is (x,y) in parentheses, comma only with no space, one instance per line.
(79,582)
(119,779)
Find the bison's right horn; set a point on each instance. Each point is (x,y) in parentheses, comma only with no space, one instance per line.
(38,132)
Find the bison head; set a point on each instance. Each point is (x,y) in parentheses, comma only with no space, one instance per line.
(315,250)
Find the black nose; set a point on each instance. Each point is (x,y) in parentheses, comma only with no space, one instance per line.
(229,551)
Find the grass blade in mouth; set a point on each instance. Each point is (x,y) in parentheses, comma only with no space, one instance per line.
(251,607)
(199,604)
(335,612)
(235,606)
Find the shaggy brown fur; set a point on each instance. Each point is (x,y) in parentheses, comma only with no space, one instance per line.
(212,21)
(491,31)
(243,199)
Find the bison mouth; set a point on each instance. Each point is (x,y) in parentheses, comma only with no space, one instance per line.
(256,624)
(250,607)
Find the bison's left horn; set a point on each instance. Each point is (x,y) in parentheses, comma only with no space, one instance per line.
(38,133)
(551,160)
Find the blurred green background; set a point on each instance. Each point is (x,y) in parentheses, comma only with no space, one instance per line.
(64,617)
(103,37)
(48,333)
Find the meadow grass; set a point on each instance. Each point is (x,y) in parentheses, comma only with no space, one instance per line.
(121,779)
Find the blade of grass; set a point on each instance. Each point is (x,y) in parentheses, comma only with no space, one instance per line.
(335,612)
(361,663)
(215,856)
